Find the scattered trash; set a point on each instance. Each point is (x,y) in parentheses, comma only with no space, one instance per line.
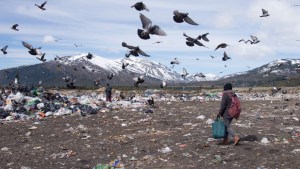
(265,140)
(165,150)
(115,164)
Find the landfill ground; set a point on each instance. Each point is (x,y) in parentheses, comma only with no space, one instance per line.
(176,135)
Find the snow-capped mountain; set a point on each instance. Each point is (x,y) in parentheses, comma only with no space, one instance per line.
(136,65)
(85,71)
(280,71)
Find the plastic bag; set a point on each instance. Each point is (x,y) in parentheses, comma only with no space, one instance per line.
(218,129)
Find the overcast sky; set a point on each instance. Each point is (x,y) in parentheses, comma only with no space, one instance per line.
(100,26)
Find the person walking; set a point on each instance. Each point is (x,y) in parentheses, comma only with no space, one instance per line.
(227,118)
(108,92)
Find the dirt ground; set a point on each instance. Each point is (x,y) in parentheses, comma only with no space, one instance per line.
(174,136)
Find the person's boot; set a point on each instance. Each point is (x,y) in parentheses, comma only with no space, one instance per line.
(236,140)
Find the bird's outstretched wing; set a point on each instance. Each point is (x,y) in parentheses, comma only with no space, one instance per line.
(43,4)
(146,22)
(189,21)
(204,37)
(142,53)
(128,46)
(27,45)
(158,31)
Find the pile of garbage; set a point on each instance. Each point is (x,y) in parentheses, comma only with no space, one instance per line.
(37,103)
(21,102)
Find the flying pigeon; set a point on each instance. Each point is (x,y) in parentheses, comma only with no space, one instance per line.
(97,82)
(57,58)
(200,75)
(253,41)
(264,13)
(32,51)
(222,45)
(89,56)
(225,57)
(124,65)
(66,79)
(42,58)
(149,28)
(134,50)
(175,61)
(4,50)
(42,6)
(163,84)
(184,73)
(180,17)
(110,76)
(14,27)
(157,42)
(140,6)
(138,80)
(191,41)
(204,37)
(77,45)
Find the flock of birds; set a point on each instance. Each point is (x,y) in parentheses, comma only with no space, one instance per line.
(148,29)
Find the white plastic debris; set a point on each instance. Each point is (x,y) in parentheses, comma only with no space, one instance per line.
(209,121)
(4,149)
(40,105)
(265,140)
(49,113)
(165,150)
(296,151)
(62,111)
(296,118)
(201,117)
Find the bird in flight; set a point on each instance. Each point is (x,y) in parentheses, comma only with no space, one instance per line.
(175,61)
(14,27)
(182,17)
(32,51)
(134,50)
(225,57)
(4,50)
(149,28)
(222,45)
(201,75)
(77,45)
(253,41)
(89,56)
(110,76)
(138,80)
(124,65)
(191,41)
(42,58)
(157,42)
(140,6)
(163,84)
(184,73)
(42,6)
(265,13)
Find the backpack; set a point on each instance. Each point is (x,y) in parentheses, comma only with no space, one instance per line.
(235,107)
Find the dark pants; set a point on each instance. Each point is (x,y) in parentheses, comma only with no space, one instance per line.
(228,130)
(108,98)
